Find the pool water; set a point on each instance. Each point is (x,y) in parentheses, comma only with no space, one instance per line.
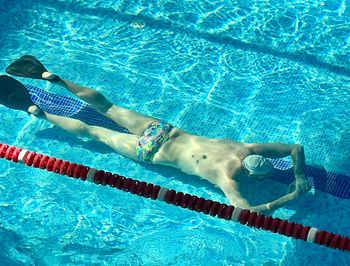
(253,71)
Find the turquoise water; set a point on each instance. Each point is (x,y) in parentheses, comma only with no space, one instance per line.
(254,71)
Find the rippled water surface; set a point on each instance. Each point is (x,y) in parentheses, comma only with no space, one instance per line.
(254,71)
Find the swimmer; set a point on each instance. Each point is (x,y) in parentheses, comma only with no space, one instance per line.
(225,163)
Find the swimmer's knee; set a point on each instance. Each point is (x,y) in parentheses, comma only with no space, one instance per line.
(88,95)
(78,127)
(82,129)
(96,99)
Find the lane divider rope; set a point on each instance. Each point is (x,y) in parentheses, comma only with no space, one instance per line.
(170,196)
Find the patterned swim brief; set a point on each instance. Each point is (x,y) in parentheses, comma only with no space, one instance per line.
(154,136)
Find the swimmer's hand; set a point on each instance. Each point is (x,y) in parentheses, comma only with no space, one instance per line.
(261,208)
(297,188)
(302,185)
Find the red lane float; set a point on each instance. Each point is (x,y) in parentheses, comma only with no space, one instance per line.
(173,197)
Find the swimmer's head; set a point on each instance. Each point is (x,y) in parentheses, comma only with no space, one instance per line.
(14,95)
(257,166)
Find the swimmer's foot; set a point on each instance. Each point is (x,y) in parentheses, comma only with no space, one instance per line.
(50,76)
(29,67)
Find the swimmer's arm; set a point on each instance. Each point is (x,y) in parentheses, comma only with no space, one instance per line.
(277,150)
(283,200)
(230,187)
(280,150)
(276,203)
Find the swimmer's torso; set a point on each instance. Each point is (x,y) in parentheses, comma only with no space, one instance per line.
(204,157)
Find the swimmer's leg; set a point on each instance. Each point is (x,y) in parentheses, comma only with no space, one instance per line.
(124,144)
(135,122)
